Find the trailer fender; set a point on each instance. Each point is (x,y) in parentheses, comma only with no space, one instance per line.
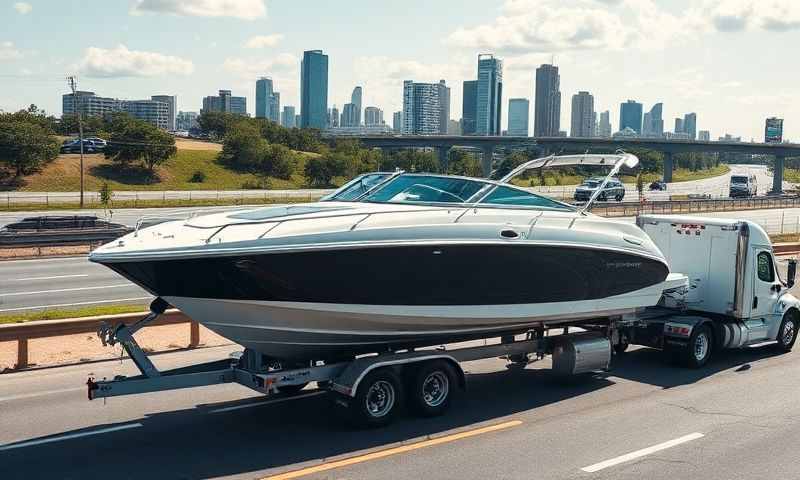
(678,330)
(347,383)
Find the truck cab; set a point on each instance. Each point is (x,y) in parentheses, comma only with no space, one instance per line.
(744,185)
(735,290)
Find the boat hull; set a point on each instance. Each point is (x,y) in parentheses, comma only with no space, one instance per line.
(328,302)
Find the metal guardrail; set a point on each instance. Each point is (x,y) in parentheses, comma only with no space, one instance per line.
(60,238)
(23,332)
(630,209)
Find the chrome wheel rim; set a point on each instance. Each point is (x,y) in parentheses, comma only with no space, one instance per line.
(435,388)
(380,398)
(700,347)
(788,333)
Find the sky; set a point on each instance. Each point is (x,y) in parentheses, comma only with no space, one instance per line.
(733,62)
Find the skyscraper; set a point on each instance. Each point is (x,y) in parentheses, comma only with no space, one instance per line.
(582,124)
(171,101)
(690,125)
(425,108)
(490,95)
(333,117)
(653,123)
(518,112)
(604,126)
(704,136)
(679,125)
(355,99)
(264,98)
(547,102)
(630,116)
(397,122)
(373,116)
(349,115)
(287,118)
(469,107)
(314,89)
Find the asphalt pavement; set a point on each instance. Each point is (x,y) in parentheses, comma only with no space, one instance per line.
(644,419)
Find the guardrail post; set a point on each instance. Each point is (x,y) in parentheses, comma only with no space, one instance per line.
(194,334)
(22,353)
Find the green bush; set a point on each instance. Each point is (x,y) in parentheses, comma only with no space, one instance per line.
(198,176)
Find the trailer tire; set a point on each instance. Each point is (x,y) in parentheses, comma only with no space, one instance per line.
(787,333)
(377,399)
(431,387)
(699,348)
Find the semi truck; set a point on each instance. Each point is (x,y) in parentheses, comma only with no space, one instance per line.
(730,295)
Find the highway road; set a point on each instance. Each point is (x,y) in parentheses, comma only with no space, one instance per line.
(645,419)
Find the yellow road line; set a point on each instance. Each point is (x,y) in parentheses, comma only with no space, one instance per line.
(391,451)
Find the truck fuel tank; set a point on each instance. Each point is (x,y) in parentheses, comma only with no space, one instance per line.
(581,353)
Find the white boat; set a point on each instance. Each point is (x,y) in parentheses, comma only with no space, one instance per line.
(396,260)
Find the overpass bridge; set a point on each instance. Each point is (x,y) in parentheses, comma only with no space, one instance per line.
(547,145)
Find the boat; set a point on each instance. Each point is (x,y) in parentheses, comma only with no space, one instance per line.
(396,260)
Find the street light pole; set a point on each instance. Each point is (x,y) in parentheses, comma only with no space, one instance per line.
(72,85)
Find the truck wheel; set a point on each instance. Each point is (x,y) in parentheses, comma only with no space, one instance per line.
(787,334)
(602,197)
(619,197)
(431,387)
(378,399)
(698,351)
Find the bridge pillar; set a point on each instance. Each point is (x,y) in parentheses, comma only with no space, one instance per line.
(668,167)
(777,175)
(486,160)
(444,158)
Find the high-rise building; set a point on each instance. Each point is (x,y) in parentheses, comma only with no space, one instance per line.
(186,121)
(704,136)
(453,127)
(297,119)
(653,122)
(425,108)
(314,89)
(518,114)
(679,126)
(469,107)
(583,116)
(773,130)
(397,122)
(690,125)
(373,116)
(355,99)
(268,101)
(171,101)
(349,115)
(333,117)
(630,116)
(287,117)
(604,125)
(225,102)
(547,102)
(152,111)
(490,95)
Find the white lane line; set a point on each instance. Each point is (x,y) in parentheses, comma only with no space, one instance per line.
(76,289)
(259,404)
(69,436)
(30,279)
(40,394)
(76,304)
(641,453)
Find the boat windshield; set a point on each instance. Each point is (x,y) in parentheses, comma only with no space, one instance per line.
(356,187)
(413,188)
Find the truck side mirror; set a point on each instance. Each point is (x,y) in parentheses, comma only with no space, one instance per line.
(792,270)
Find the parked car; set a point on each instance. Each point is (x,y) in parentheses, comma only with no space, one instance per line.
(743,185)
(89,146)
(658,185)
(613,189)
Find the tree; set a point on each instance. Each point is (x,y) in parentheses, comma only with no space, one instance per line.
(25,147)
(243,147)
(133,140)
(465,164)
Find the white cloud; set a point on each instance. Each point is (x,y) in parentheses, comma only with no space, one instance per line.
(8,51)
(262,41)
(23,8)
(738,15)
(243,9)
(121,62)
(246,68)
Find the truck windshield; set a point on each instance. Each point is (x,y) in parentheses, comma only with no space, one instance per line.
(738,179)
(591,183)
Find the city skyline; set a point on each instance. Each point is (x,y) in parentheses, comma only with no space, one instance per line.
(201,51)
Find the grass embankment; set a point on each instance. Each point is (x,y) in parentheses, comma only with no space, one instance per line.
(60,314)
(791,175)
(680,175)
(168,203)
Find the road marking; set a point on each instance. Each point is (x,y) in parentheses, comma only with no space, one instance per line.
(77,289)
(641,453)
(277,400)
(41,394)
(74,304)
(69,436)
(30,279)
(392,451)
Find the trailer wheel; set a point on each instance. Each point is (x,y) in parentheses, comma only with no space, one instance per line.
(698,351)
(787,334)
(378,399)
(431,388)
